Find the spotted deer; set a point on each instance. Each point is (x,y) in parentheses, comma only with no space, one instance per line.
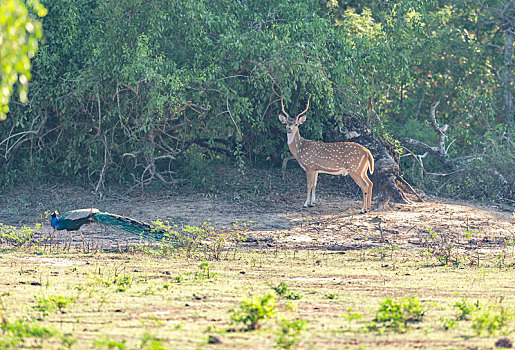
(336,158)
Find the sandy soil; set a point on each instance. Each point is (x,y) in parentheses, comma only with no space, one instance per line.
(333,224)
(276,217)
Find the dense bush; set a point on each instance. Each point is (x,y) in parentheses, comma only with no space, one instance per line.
(130,91)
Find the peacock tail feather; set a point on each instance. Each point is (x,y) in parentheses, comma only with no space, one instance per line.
(136,227)
(74,219)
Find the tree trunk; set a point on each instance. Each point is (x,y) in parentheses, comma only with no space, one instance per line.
(386,172)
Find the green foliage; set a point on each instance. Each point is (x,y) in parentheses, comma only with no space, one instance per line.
(152,99)
(282,290)
(448,324)
(289,332)
(16,334)
(204,239)
(253,311)
(218,240)
(492,320)
(19,34)
(397,314)
(205,271)
(107,343)
(18,237)
(122,282)
(151,342)
(352,315)
(331,296)
(139,98)
(465,309)
(178,278)
(52,303)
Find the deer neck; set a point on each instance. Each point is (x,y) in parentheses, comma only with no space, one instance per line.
(294,143)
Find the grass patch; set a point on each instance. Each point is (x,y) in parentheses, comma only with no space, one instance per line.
(178,303)
(397,314)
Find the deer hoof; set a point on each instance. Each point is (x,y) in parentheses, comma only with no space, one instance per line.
(362,211)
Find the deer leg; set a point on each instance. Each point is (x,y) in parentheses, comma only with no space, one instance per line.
(363,185)
(370,185)
(313,189)
(369,190)
(365,196)
(310,177)
(285,162)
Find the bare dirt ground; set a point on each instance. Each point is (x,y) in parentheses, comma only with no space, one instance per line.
(273,209)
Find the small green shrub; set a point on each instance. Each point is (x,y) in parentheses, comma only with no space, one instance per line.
(195,240)
(205,271)
(16,334)
(351,316)
(219,239)
(52,303)
(397,314)
(448,323)
(493,321)
(151,342)
(331,296)
(254,310)
(465,309)
(282,290)
(178,278)
(110,344)
(12,236)
(187,239)
(289,332)
(122,283)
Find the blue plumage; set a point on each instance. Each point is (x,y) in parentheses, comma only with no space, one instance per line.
(73,220)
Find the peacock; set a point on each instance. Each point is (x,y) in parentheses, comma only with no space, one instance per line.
(74,219)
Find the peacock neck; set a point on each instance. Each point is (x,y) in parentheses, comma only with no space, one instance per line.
(54,222)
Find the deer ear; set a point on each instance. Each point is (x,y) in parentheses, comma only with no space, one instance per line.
(302,120)
(282,118)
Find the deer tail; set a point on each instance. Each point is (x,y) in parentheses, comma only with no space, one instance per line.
(370,162)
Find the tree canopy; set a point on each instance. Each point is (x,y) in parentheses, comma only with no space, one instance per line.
(140,91)
(18,43)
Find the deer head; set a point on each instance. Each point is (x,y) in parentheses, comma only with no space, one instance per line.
(292,124)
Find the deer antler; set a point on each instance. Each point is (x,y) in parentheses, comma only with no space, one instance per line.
(307,107)
(282,105)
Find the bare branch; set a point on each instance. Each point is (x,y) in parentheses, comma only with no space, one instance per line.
(405,183)
(240,136)
(439,152)
(433,150)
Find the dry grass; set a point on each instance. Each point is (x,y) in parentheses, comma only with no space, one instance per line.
(122,297)
(334,260)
